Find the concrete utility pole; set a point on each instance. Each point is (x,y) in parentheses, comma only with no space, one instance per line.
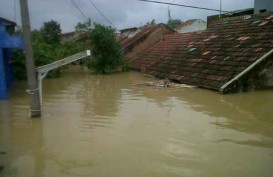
(33,90)
(220,7)
(169,14)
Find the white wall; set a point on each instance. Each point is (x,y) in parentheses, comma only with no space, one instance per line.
(263,4)
(130,33)
(196,26)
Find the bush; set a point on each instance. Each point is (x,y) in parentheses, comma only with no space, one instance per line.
(173,23)
(106,51)
(44,53)
(51,32)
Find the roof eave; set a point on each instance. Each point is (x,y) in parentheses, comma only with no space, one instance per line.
(7,21)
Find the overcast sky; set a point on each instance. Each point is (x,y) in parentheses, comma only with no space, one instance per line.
(122,13)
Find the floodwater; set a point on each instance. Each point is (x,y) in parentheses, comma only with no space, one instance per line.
(105,126)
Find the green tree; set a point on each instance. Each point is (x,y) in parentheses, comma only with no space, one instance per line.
(84,29)
(44,53)
(106,51)
(173,23)
(51,32)
(85,26)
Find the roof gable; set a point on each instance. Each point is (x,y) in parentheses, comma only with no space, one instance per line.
(142,35)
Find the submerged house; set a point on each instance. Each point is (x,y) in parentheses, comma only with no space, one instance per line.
(145,38)
(237,52)
(7,43)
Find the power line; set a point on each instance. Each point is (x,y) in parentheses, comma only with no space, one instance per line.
(93,4)
(181,5)
(81,12)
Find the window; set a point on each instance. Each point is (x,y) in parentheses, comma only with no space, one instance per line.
(262,10)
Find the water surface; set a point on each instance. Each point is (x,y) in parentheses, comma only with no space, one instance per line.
(106,126)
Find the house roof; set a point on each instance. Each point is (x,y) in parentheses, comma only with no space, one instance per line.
(213,57)
(144,32)
(247,11)
(214,19)
(128,29)
(7,22)
(72,36)
(159,52)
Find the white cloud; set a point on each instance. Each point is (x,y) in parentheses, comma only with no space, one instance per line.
(122,13)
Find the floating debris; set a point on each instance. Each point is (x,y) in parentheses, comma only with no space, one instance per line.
(165,83)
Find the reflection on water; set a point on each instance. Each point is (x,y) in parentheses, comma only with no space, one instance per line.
(106,126)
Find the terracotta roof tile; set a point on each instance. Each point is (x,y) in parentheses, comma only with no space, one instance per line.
(212,57)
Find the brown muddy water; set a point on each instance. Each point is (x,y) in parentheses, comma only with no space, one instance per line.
(105,126)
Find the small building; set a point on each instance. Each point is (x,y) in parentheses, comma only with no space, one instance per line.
(72,36)
(9,25)
(7,43)
(191,26)
(262,6)
(129,32)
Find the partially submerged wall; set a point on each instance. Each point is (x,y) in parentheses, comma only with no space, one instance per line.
(260,78)
(270,77)
(265,75)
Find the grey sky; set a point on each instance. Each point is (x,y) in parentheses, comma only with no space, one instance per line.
(122,13)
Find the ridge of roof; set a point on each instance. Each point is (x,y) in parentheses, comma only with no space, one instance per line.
(145,31)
